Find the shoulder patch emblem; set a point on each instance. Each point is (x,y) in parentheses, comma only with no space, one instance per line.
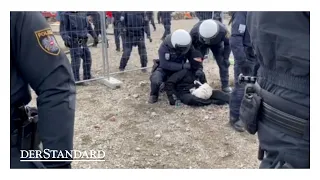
(242,28)
(167,56)
(47,41)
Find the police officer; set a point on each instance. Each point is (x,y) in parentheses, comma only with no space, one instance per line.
(117,29)
(74,27)
(166,21)
(37,61)
(213,35)
(134,28)
(151,19)
(173,54)
(95,21)
(244,63)
(203,15)
(281,41)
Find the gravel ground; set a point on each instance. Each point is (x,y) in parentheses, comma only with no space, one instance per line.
(134,134)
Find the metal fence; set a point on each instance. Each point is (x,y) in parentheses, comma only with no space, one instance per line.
(119,50)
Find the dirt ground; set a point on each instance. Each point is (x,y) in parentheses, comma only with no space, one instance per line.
(135,134)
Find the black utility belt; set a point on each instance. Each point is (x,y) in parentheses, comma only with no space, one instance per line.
(80,40)
(291,125)
(274,111)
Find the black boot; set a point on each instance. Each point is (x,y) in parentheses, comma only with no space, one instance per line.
(236,124)
(153,99)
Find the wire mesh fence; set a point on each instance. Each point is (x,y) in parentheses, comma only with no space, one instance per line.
(118,41)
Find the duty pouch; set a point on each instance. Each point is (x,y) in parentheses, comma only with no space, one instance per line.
(27,128)
(249,111)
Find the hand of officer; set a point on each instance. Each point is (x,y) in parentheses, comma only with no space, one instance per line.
(186,66)
(199,73)
(67,42)
(95,41)
(150,39)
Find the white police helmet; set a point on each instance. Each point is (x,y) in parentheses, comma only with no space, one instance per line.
(181,41)
(208,29)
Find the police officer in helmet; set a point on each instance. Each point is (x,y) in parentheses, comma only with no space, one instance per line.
(37,61)
(74,27)
(213,35)
(174,52)
(278,105)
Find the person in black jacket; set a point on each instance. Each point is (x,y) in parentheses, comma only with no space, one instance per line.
(182,84)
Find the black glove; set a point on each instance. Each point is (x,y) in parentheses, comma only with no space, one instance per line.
(186,66)
(95,42)
(67,42)
(150,39)
(199,73)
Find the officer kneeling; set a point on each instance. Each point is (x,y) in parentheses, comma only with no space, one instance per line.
(191,89)
(173,54)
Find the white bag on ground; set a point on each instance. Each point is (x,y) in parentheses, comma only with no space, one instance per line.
(203,92)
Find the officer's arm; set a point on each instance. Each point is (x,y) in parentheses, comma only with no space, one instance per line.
(173,80)
(90,30)
(64,25)
(146,27)
(167,64)
(45,67)
(227,47)
(195,58)
(236,40)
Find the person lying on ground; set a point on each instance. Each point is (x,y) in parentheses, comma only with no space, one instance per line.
(190,88)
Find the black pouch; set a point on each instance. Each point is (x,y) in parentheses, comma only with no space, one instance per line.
(249,110)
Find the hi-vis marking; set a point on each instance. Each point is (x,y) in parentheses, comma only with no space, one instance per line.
(47,33)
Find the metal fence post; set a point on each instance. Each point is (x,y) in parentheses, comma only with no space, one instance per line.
(104,46)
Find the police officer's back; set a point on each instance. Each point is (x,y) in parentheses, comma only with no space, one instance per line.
(281,41)
(37,61)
